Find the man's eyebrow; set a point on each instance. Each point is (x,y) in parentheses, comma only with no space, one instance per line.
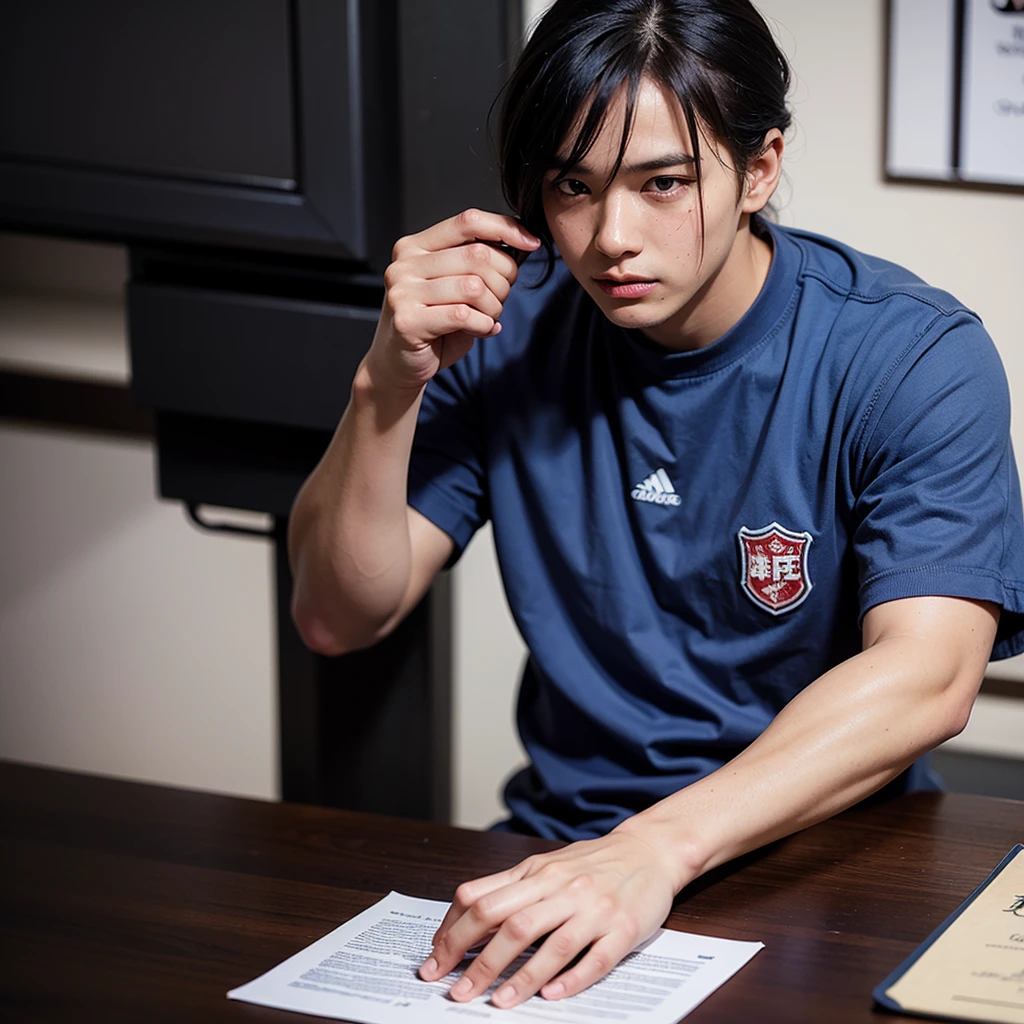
(658,164)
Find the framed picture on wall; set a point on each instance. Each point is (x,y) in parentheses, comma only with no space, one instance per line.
(955,104)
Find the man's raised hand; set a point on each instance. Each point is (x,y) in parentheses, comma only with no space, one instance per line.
(446,286)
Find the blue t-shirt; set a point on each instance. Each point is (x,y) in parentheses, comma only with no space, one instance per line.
(688,539)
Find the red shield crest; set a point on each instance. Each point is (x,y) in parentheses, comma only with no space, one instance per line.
(775,574)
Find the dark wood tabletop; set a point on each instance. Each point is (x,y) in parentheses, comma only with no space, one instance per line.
(128,902)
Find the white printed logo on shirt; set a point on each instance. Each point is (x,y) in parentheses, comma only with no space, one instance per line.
(657,489)
(775,573)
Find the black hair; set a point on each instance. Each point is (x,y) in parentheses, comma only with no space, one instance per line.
(717,56)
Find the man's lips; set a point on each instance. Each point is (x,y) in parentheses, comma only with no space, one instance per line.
(628,288)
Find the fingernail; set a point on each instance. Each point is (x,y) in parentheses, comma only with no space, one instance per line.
(462,987)
(505,995)
(554,990)
(429,969)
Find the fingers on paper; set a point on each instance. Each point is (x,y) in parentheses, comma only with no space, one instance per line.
(581,905)
(469,894)
(604,954)
(473,930)
(520,931)
(542,972)
(478,917)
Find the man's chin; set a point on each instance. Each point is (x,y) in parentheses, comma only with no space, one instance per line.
(634,316)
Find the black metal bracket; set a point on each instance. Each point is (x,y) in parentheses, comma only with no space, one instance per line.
(245,531)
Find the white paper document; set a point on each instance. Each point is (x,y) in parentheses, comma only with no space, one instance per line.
(365,972)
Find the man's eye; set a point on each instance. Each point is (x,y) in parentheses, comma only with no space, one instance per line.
(570,187)
(666,184)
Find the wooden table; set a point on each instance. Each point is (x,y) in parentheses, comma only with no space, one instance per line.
(121,901)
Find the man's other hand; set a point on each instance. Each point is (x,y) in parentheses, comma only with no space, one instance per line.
(599,897)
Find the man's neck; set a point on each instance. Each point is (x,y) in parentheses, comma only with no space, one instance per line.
(723,299)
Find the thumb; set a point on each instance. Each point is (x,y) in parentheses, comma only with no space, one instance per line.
(453,347)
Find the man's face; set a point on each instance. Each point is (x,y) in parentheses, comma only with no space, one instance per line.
(645,226)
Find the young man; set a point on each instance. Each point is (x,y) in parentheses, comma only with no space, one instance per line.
(752,492)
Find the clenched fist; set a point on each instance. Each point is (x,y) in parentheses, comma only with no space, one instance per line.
(445,287)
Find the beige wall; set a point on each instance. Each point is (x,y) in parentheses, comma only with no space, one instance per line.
(132,644)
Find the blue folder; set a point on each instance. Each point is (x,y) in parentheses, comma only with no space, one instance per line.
(879,993)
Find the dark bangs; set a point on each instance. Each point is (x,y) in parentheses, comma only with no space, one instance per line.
(716,56)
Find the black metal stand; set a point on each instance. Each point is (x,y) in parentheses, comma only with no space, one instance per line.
(370,730)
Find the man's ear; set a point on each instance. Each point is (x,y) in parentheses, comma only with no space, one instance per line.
(762,177)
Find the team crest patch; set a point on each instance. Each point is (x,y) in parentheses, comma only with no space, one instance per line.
(774,567)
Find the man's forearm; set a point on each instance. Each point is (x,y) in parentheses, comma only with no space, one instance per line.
(841,739)
(349,532)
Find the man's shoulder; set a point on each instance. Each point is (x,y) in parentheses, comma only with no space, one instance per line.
(876,336)
(870,318)
(869,284)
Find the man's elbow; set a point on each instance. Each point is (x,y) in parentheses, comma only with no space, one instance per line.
(317,635)
(958,713)
(957,703)
(333,639)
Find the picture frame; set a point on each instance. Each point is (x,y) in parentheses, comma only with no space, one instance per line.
(955,92)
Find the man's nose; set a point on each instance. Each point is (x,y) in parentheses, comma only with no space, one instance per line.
(618,230)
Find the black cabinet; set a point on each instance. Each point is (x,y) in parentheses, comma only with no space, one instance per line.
(322,127)
(250,358)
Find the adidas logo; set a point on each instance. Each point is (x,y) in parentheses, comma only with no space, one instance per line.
(657,489)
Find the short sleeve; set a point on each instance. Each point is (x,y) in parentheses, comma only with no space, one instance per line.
(447,481)
(938,507)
